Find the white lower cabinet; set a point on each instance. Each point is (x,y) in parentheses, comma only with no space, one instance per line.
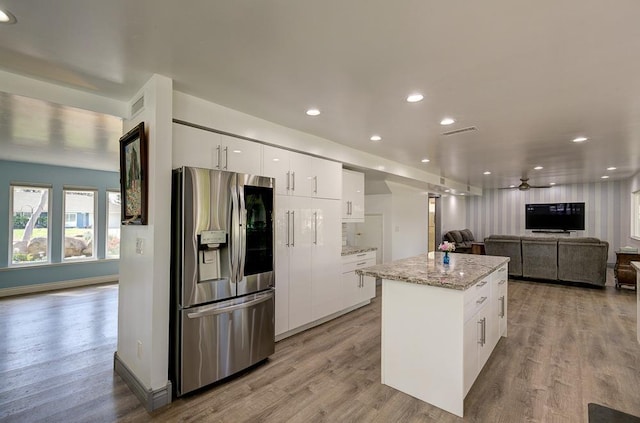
(308,246)
(357,289)
(485,322)
(325,255)
(293,262)
(499,299)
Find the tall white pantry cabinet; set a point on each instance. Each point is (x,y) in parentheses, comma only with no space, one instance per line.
(308,237)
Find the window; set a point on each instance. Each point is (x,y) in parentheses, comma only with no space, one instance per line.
(79,233)
(30,225)
(635,215)
(113,225)
(70,220)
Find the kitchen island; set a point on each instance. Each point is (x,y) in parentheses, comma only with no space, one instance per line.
(440,323)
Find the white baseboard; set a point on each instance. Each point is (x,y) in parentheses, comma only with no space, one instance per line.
(52,286)
(318,322)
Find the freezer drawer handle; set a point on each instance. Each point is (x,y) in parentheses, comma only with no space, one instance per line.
(213,311)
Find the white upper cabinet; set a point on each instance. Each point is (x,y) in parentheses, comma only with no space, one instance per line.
(193,147)
(327,179)
(302,175)
(238,155)
(200,148)
(352,196)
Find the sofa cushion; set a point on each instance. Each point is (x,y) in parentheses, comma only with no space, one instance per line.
(467,236)
(457,237)
(587,240)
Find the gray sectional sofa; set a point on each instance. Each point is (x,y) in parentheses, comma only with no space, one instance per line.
(462,238)
(581,260)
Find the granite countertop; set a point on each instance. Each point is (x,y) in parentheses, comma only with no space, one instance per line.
(347,250)
(636,265)
(463,271)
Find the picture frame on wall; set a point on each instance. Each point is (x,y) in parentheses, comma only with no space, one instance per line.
(134,176)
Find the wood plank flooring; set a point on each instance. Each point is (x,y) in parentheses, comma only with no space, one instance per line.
(567,346)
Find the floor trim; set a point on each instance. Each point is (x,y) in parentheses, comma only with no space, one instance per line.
(152,400)
(52,286)
(318,322)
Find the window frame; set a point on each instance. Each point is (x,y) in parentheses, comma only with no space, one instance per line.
(94,230)
(12,186)
(106,231)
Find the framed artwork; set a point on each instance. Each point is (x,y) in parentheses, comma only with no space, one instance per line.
(133,177)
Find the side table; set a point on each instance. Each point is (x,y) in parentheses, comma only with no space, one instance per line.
(477,248)
(625,273)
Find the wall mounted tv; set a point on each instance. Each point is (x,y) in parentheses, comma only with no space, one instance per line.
(555,216)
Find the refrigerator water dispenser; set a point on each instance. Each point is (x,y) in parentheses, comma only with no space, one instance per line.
(209,260)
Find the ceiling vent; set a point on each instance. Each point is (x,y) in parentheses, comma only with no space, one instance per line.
(137,106)
(458,131)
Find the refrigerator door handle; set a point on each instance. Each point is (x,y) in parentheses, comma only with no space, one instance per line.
(234,238)
(218,162)
(226,157)
(293,228)
(215,310)
(242,248)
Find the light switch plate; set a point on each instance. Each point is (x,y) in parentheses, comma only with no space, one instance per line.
(139,245)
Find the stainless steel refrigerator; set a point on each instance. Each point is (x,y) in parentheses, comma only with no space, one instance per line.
(222,272)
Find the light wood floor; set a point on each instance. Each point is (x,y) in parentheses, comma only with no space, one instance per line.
(567,346)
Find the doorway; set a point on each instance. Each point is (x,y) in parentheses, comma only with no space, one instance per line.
(434,230)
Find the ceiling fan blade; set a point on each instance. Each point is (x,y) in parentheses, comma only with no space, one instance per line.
(540,186)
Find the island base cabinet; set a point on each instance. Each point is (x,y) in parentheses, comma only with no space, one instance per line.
(436,340)
(422,343)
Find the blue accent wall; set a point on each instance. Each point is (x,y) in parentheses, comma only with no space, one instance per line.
(58,178)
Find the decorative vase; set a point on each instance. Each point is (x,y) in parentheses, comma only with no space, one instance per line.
(445,259)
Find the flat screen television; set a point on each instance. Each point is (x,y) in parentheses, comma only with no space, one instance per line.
(555,216)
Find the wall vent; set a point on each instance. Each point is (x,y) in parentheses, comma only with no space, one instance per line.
(137,106)
(458,131)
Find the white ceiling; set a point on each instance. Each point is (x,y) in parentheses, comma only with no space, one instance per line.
(531,76)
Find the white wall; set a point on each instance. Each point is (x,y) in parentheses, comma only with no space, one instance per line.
(143,301)
(381,204)
(453,214)
(607,210)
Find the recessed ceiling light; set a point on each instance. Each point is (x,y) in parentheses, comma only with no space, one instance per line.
(512,186)
(538,167)
(414,98)
(380,167)
(447,190)
(237,151)
(7,17)
(605,177)
(276,159)
(313,112)
(447,121)
(552,183)
(425,160)
(612,168)
(580,139)
(463,193)
(486,173)
(375,138)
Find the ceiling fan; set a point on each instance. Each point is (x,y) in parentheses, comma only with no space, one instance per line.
(524,185)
